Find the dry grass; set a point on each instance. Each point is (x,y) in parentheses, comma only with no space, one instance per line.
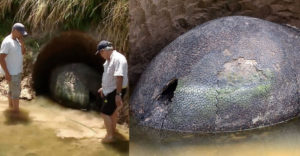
(5,6)
(49,14)
(115,25)
(109,16)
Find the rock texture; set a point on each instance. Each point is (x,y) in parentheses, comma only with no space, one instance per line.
(228,74)
(155,23)
(73,85)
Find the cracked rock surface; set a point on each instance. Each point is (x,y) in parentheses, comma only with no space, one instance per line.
(229,74)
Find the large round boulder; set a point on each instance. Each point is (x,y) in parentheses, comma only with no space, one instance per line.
(228,74)
(73,85)
(156,23)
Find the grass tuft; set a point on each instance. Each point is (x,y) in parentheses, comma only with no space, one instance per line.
(110,17)
(115,25)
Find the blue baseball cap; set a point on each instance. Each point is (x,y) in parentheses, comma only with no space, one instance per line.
(21,28)
(104,45)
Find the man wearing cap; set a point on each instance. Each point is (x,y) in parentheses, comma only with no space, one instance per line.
(11,60)
(114,83)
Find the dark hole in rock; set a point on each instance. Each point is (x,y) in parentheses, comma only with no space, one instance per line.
(64,49)
(168,91)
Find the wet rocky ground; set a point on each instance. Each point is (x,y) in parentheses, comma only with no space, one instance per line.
(45,128)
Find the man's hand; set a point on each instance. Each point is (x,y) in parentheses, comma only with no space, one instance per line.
(119,102)
(7,77)
(100,91)
(118,98)
(21,40)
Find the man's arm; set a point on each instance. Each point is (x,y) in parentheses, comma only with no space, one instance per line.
(21,40)
(119,84)
(120,70)
(4,67)
(100,91)
(119,81)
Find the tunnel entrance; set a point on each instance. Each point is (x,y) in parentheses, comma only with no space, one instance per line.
(66,48)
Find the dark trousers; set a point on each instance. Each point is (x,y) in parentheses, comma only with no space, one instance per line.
(109,103)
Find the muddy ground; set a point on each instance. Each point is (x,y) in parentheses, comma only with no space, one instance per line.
(45,128)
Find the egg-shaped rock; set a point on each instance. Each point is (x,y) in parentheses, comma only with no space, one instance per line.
(229,74)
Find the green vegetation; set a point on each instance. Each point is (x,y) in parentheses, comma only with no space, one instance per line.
(244,96)
(262,90)
(5,28)
(211,95)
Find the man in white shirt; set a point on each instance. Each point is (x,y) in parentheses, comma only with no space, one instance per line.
(114,83)
(11,60)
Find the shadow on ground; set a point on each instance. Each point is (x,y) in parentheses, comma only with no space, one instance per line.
(121,144)
(13,118)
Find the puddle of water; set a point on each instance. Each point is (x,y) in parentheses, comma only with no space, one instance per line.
(279,140)
(44,128)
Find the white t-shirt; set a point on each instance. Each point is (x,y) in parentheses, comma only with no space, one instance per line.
(14,58)
(116,66)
